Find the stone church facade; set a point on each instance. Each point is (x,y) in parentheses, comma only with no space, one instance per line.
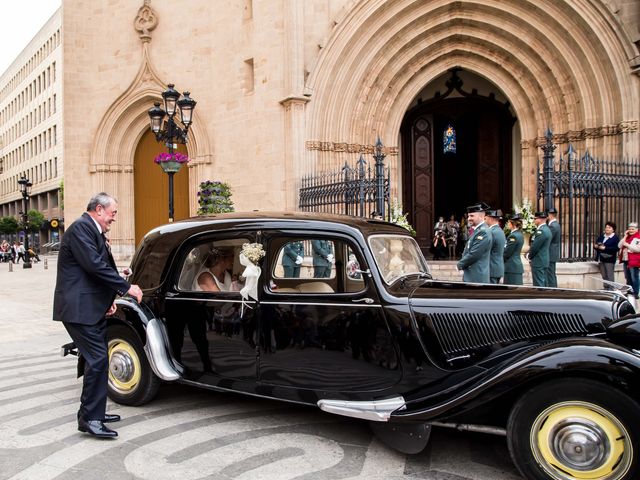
(289,88)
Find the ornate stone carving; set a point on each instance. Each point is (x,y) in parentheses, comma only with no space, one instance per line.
(629,126)
(145,21)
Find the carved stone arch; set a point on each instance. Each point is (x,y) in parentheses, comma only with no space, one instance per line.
(118,134)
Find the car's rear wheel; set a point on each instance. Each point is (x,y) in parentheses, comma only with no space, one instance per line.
(575,429)
(131,380)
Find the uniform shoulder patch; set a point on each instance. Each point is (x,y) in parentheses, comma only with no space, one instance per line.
(512,239)
(479,237)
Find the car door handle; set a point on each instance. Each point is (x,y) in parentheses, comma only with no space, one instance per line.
(365,300)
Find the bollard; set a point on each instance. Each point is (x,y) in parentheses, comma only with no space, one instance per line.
(10,266)
(46,263)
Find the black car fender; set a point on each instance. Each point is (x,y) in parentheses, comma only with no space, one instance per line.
(591,358)
(153,335)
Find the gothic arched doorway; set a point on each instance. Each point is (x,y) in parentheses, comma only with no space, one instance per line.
(151,187)
(456,150)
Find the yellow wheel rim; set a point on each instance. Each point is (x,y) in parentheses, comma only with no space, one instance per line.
(124,367)
(581,441)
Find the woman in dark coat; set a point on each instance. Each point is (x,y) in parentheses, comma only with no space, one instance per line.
(513,268)
(606,247)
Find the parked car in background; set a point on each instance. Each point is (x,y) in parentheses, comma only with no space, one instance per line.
(556,371)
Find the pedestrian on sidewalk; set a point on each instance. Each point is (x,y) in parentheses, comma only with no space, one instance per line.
(606,247)
(87,283)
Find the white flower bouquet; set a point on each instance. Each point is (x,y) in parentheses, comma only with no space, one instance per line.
(254,252)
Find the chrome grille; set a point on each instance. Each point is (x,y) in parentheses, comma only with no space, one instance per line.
(458,333)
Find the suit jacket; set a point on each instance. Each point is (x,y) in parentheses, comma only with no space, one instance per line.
(539,250)
(496,259)
(321,249)
(512,250)
(87,279)
(291,252)
(554,245)
(475,257)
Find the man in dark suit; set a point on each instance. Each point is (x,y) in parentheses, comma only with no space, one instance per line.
(475,257)
(554,247)
(87,283)
(539,250)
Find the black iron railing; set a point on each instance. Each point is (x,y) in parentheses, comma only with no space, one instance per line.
(361,190)
(587,192)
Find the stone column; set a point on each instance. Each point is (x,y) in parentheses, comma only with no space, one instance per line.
(294,102)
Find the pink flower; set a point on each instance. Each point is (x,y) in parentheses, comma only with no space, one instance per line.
(167,157)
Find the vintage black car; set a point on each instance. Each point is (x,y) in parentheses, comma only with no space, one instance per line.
(355,324)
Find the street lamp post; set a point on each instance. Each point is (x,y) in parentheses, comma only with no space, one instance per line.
(169,131)
(25,189)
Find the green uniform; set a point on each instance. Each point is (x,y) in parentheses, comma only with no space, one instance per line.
(475,257)
(292,251)
(539,255)
(513,268)
(496,260)
(321,259)
(554,253)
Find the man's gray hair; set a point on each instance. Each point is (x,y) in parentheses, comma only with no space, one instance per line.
(101,198)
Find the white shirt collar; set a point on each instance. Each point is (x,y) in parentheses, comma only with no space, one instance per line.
(97,225)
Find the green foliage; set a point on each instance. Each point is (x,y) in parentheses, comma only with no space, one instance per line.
(8,225)
(61,189)
(35,220)
(214,197)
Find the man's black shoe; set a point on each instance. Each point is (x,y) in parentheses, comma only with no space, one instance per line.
(96,428)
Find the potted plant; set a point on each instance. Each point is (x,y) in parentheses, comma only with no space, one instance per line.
(214,197)
(171,162)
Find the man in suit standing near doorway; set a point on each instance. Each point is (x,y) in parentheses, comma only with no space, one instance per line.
(539,250)
(554,247)
(496,258)
(475,257)
(87,283)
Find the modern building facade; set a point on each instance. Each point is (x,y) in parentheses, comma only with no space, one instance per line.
(31,127)
(290,88)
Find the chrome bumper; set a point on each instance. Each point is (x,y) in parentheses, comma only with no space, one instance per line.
(374,410)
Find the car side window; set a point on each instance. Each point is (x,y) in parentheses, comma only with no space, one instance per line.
(213,266)
(315,265)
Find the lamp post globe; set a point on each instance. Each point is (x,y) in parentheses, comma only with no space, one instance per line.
(25,190)
(170,132)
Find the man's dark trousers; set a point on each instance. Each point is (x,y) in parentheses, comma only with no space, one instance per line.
(91,341)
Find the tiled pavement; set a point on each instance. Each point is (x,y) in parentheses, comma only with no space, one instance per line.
(184,432)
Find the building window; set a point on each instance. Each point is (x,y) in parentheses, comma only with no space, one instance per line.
(248,76)
(449,140)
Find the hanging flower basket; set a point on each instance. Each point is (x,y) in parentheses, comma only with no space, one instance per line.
(214,197)
(171,162)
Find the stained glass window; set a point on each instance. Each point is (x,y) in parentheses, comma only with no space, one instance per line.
(449,140)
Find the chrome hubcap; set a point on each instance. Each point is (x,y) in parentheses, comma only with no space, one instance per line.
(121,366)
(580,444)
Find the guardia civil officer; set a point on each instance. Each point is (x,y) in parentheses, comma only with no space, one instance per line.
(513,268)
(292,259)
(322,258)
(554,246)
(496,257)
(475,257)
(539,250)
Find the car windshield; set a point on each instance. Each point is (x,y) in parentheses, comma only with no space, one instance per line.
(397,256)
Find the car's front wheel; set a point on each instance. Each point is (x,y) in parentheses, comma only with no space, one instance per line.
(575,429)
(131,380)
